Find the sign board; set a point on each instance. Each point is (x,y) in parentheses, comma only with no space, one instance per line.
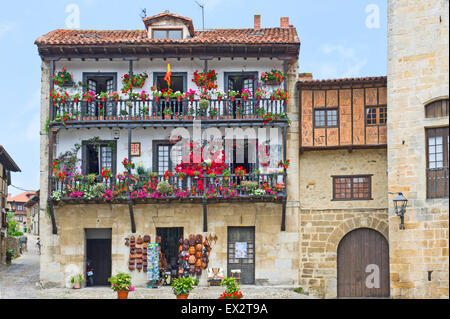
(136,149)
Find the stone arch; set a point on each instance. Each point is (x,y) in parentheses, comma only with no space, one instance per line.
(354,223)
(433,94)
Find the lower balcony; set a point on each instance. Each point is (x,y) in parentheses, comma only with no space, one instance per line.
(156,189)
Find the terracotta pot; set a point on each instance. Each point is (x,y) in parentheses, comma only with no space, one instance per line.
(122,294)
(178,99)
(183,296)
(232,98)
(244,98)
(258,98)
(77,285)
(167,116)
(156,99)
(167,99)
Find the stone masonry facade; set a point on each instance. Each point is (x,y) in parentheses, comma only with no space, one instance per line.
(418,73)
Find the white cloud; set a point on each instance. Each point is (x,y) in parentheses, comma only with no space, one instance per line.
(346,61)
(4,29)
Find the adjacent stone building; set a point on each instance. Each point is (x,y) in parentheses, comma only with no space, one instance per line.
(418,93)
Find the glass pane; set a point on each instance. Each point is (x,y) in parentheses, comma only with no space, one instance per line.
(332,118)
(175,34)
(320,118)
(159,34)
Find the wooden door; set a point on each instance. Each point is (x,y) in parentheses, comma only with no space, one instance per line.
(99,252)
(363,265)
(241,252)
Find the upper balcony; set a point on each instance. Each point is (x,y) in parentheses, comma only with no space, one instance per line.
(169,112)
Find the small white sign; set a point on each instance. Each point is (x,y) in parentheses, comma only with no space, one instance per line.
(240,250)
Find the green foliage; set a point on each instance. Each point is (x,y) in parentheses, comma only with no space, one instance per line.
(10,254)
(121,282)
(12,225)
(91,178)
(183,285)
(249,186)
(203,104)
(98,190)
(231,285)
(78,278)
(300,290)
(226,172)
(163,187)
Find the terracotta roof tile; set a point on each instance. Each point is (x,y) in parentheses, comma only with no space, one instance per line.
(148,20)
(22,197)
(139,37)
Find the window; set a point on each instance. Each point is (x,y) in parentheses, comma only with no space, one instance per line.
(376,115)
(437,162)
(173,34)
(356,187)
(325,118)
(94,158)
(162,160)
(19,208)
(437,109)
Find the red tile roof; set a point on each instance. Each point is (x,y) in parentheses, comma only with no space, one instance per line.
(139,37)
(22,197)
(368,79)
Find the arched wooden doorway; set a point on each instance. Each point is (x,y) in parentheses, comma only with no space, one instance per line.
(363,265)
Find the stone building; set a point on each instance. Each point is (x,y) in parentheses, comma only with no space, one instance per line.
(255,231)
(16,205)
(33,214)
(7,165)
(418,92)
(343,186)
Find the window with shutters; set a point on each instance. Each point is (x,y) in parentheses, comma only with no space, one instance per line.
(376,115)
(162,157)
(353,187)
(437,109)
(96,157)
(437,162)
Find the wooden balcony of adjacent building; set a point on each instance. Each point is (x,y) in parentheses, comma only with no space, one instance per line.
(173,112)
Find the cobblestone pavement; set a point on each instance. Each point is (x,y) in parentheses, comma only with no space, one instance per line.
(20,280)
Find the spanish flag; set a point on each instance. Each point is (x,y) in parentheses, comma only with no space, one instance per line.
(168,74)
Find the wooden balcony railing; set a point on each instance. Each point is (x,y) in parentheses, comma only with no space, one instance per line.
(142,188)
(251,110)
(437,182)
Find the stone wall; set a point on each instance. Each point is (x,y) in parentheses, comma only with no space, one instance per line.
(323,222)
(418,73)
(13,243)
(276,253)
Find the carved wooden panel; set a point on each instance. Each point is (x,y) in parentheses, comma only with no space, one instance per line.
(332,137)
(383,134)
(382,95)
(307,130)
(319,137)
(371,96)
(332,98)
(358,116)
(319,98)
(372,135)
(345,116)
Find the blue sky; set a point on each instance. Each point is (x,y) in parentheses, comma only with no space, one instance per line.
(336,42)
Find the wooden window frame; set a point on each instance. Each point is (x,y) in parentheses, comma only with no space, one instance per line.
(377,116)
(334,177)
(167,33)
(436,109)
(155,159)
(326,117)
(445,160)
(84,144)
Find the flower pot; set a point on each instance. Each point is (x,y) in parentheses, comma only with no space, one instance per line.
(178,99)
(100,118)
(232,98)
(258,98)
(167,117)
(191,99)
(156,99)
(184,296)
(122,295)
(219,98)
(244,98)
(77,285)
(167,99)
(226,178)
(103,100)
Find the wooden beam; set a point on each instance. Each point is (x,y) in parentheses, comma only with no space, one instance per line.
(283,214)
(205,215)
(132,221)
(52,216)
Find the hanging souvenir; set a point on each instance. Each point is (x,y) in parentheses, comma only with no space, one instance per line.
(146,239)
(139,240)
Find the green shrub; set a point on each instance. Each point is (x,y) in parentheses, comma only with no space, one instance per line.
(203,104)
(183,285)
(163,187)
(249,186)
(99,190)
(231,285)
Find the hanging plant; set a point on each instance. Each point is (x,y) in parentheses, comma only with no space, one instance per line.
(206,81)
(273,77)
(137,81)
(62,78)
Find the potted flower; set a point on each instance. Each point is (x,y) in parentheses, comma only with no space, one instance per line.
(203,105)
(63,78)
(153,175)
(181,175)
(213,112)
(127,164)
(133,96)
(181,287)
(232,94)
(122,284)
(259,94)
(220,95)
(245,94)
(168,113)
(76,97)
(233,291)
(167,175)
(88,96)
(167,94)
(284,164)
(137,81)
(178,95)
(274,77)
(190,95)
(197,174)
(103,96)
(144,96)
(156,95)
(240,171)
(9,256)
(115,96)
(76,281)
(106,173)
(206,81)
(226,174)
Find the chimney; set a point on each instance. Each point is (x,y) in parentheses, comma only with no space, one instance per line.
(284,22)
(257,24)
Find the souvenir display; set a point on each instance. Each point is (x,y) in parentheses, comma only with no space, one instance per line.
(153,263)
(193,255)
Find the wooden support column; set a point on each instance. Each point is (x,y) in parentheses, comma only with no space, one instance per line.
(51,141)
(283,214)
(205,66)
(205,215)
(283,210)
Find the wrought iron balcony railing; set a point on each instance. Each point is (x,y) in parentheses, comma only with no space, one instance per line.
(173,110)
(144,188)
